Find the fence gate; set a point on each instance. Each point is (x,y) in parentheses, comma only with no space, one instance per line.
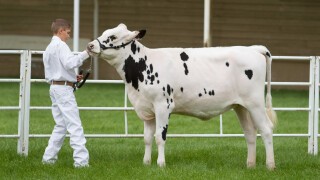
(24,104)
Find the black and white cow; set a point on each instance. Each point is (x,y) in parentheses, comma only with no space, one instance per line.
(200,82)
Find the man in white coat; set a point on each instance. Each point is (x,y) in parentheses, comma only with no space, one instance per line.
(60,72)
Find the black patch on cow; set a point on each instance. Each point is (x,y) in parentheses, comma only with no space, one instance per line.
(151,68)
(181,89)
(211,93)
(169,101)
(133,47)
(186,71)
(167,92)
(133,71)
(164,90)
(106,41)
(207,92)
(164,132)
(112,37)
(168,89)
(227,64)
(184,56)
(138,49)
(152,75)
(268,54)
(249,73)
(152,79)
(111,45)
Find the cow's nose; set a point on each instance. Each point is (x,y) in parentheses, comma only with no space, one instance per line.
(90,46)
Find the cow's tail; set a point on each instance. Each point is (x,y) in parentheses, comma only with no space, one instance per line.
(270,112)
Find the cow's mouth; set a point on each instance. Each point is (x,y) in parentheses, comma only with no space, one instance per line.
(92,53)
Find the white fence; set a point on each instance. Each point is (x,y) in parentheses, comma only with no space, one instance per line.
(24,104)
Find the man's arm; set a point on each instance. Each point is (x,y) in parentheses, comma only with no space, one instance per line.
(71,61)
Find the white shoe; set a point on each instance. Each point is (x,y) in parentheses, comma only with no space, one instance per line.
(49,162)
(77,165)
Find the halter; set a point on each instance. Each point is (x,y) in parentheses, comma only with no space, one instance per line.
(103,47)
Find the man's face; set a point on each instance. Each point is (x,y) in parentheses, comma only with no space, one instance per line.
(64,34)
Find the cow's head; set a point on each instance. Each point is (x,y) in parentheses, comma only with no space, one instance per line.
(108,45)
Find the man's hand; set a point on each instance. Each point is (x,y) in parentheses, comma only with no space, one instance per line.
(79,77)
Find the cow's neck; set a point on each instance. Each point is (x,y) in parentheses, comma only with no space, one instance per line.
(132,63)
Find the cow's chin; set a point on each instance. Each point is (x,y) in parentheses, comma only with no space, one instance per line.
(93,54)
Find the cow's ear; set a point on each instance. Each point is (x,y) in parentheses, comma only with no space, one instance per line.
(141,34)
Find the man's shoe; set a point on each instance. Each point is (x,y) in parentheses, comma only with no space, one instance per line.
(48,162)
(77,165)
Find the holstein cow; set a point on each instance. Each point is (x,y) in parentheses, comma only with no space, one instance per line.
(200,82)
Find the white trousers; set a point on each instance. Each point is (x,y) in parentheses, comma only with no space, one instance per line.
(66,116)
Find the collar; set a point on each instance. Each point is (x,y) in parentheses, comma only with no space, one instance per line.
(56,38)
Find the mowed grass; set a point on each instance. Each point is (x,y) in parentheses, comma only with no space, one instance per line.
(121,158)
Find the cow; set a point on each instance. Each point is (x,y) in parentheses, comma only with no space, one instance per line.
(199,82)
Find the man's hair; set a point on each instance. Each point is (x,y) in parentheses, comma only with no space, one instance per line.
(59,23)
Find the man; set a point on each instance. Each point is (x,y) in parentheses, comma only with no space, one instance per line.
(59,66)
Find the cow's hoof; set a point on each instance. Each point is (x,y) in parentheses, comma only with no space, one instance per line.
(147,162)
(271,166)
(162,164)
(251,165)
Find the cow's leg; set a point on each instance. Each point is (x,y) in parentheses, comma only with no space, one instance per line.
(261,121)
(149,130)
(249,133)
(162,123)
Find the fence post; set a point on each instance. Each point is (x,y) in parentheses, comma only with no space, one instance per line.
(316,106)
(311,106)
(21,101)
(125,111)
(24,103)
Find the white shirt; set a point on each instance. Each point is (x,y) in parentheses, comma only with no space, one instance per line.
(60,63)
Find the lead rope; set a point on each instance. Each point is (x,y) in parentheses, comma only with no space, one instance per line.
(86,74)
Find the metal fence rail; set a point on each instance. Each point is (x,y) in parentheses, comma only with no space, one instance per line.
(24,107)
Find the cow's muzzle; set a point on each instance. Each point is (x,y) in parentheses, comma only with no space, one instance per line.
(91,49)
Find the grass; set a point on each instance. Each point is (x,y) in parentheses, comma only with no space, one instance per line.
(186,158)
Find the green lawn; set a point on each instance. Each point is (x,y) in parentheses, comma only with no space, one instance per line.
(186,158)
